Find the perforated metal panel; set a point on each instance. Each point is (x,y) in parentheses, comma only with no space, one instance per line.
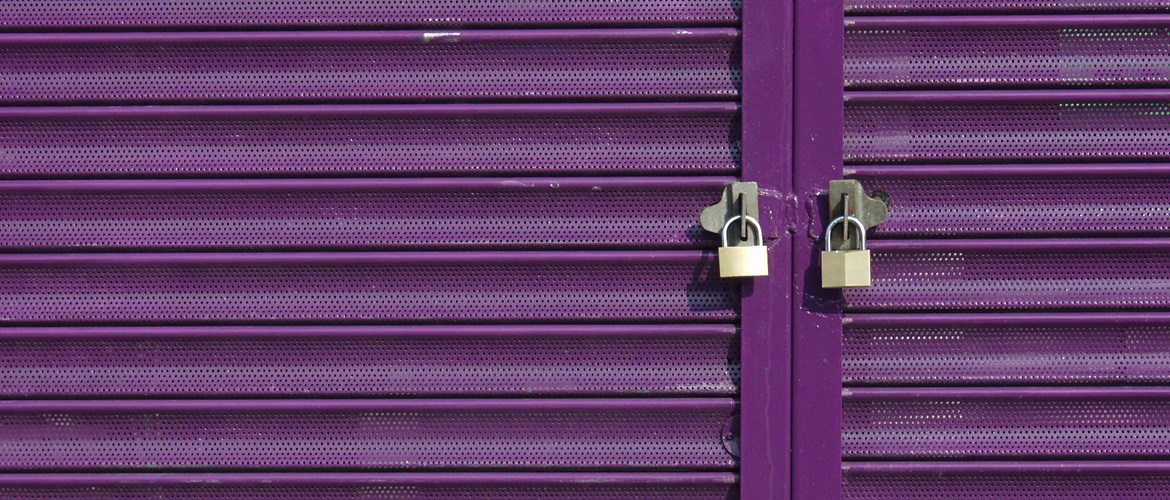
(427,486)
(1007,127)
(485,434)
(954,52)
(1001,6)
(226,14)
(1013,343)
(1022,200)
(370,66)
(485,139)
(303,214)
(303,361)
(1098,480)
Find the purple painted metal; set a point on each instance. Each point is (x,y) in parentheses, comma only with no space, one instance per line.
(235,14)
(1006,126)
(249,67)
(421,486)
(1001,6)
(1021,200)
(582,434)
(1015,274)
(765,421)
(816,325)
(1023,348)
(356,213)
(1098,480)
(363,140)
(999,422)
(301,361)
(1004,51)
(440,287)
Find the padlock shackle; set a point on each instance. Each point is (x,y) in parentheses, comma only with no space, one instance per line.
(751,221)
(829,231)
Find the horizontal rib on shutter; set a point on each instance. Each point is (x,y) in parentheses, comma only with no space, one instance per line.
(404,434)
(355,213)
(435,361)
(1048,480)
(366,140)
(419,485)
(459,287)
(1001,6)
(1006,52)
(247,67)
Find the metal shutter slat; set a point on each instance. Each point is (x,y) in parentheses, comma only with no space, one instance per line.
(1015,275)
(582,434)
(1098,480)
(1020,126)
(1001,6)
(253,67)
(355,214)
(1016,349)
(1003,422)
(994,52)
(362,140)
(302,361)
(418,485)
(365,287)
(227,14)
(1021,200)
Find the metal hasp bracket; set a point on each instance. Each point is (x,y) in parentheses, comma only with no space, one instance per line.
(739,198)
(847,197)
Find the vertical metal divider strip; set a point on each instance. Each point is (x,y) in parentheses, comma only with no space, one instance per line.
(818,125)
(765,387)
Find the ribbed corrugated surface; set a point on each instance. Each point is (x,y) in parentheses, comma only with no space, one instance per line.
(485,139)
(1022,200)
(700,63)
(433,434)
(983,349)
(1006,52)
(301,214)
(366,486)
(958,127)
(364,287)
(1001,422)
(1015,480)
(1001,6)
(1017,316)
(369,361)
(224,218)
(222,14)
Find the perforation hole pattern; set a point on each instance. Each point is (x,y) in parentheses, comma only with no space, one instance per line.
(529,437)
(385,489)
(1024,279)
(1012,206)
(1002,6)
(675,67)
(388,218)
(963,354)
(219,14)
(1031,132)
(1074,485)
(440,366)
(536,291)
(403,146)
(989,428)
(989,58)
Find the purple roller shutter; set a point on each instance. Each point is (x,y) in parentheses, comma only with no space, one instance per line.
(420,249)
(1013,344)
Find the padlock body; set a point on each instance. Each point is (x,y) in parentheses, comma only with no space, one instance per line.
(742,262)
(845,268)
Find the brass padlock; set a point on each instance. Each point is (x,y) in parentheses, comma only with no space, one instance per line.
(844,268)
(742,262)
